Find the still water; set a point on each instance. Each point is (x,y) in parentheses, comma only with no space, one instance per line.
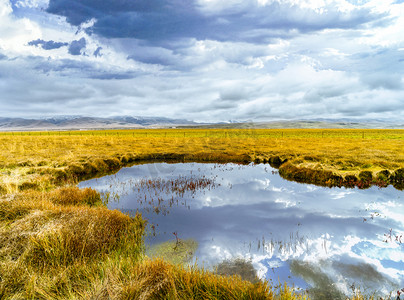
(313,237)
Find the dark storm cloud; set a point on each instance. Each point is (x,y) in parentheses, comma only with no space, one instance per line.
(47,45)
(164,20)
(78,12)
(76,46)
(141,19)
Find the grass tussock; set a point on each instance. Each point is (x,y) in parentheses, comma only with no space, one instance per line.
(53,235)
(79,234)
(44,243)
(75,196)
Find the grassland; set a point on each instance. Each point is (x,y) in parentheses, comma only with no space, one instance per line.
(59,242)
(327,157)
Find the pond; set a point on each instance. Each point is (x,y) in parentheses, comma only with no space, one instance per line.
(323,239)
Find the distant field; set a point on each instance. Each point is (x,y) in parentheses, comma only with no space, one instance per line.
(245,132)
(32,159)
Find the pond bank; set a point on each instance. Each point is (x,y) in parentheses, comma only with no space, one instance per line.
(287,169)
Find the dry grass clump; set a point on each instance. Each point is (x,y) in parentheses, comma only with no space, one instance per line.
(43,244)
(75,196)
(56,235)
(78,234)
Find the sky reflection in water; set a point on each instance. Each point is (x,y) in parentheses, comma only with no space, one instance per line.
(288,230)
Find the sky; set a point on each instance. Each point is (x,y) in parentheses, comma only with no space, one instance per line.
(203,60)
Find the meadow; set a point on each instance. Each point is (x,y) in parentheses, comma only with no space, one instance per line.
(326,157)
(57,241)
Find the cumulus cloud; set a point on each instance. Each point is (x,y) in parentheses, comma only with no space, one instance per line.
(76,46)
(47,45)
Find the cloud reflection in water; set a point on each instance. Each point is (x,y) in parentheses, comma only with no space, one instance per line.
(291,231)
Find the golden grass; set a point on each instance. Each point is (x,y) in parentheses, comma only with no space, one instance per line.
(62,243)
(41,159)
(45,242)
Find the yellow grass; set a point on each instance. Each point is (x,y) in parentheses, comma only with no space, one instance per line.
(63,243)
(40,159)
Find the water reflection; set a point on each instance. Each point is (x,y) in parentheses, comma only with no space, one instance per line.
(311,236)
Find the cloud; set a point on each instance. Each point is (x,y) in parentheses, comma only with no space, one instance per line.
(165,20)
(67,68)
(156,55)
(76,46)
(47,45)
(207,60)
(362,270)
(15,33)
(97,52)
(323,285)
(378,80)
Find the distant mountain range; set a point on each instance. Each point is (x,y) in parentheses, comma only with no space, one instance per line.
(315,123)
(81,122)
(127,122)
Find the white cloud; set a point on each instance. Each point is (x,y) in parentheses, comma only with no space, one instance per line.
(15,33)
(392,33)
(299,72)
(32,3)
